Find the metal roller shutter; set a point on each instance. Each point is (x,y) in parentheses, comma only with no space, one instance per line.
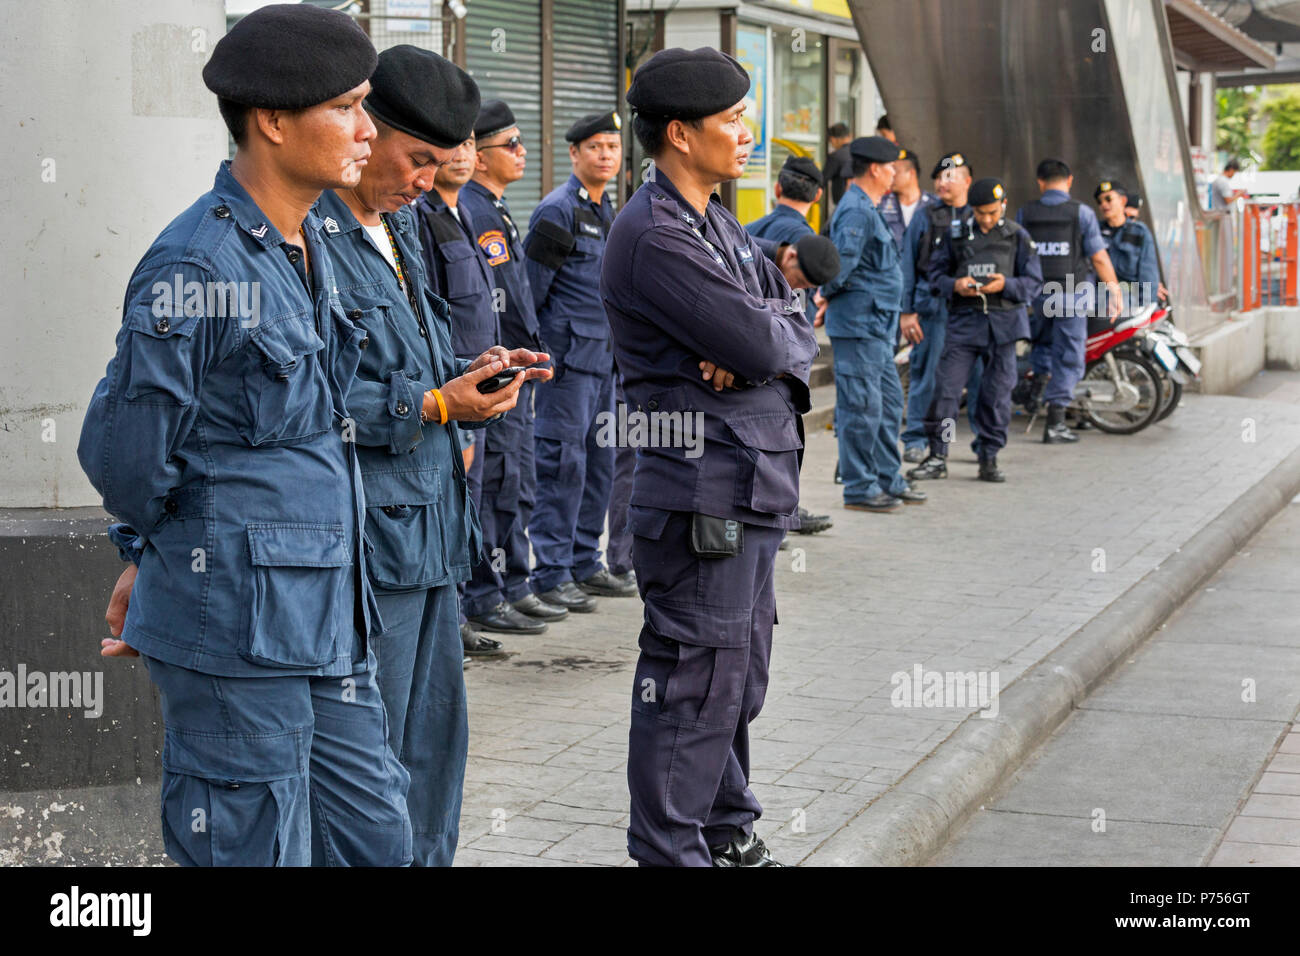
(586,67)
(511,72)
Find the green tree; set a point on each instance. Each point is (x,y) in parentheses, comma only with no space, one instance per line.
(1238,107)
(1281,140)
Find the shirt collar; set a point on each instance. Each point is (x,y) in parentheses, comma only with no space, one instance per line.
(686,212)
(336,217)
(1056,195)
(246,213)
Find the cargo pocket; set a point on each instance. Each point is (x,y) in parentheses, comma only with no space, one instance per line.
(402,525)
(300,584)
(767,462)
(288,395)
(235,799)
(153,361)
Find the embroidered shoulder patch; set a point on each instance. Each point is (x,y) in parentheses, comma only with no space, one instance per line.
(494,246)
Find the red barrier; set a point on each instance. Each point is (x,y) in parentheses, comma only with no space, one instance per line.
(1270,254)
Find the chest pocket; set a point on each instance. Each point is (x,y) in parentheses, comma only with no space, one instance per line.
(284,383)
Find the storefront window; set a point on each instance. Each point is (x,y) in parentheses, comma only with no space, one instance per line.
(798,59)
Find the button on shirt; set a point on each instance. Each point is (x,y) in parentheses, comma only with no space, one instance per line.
(418,517)
(679,288)
(217,437)
(570,314)
(783,224)
(871,274)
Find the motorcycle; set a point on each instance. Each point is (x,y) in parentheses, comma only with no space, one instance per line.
(1134,374)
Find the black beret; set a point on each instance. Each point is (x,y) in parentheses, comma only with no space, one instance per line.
(1106,185)
(819,260)
(874,149)
(422,94)
(493,117)
(606,122)
(950,161)
(802,166)
(289,56)
(984,191)
(688,84)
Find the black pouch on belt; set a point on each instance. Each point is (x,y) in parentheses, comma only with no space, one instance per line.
(716,537)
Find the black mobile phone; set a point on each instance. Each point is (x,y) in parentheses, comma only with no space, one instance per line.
(500,380)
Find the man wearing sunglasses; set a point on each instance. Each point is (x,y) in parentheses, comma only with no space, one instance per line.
(499,597)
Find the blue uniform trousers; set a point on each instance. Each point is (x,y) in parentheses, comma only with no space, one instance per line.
(700,680)
(923,364)
(508,484)
(618,549)
(574,475)
(474,484)
(992,407)
(279,771)
(418,657)
(1060,343)
(868,413)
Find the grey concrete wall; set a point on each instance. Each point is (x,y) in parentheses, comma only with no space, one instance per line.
(109,133)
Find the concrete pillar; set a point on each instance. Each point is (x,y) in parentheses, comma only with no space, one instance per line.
(110,133)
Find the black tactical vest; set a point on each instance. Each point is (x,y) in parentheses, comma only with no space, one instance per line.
(940,216)
(1055,231)
(981,254)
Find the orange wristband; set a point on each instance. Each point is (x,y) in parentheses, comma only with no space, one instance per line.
(442,406)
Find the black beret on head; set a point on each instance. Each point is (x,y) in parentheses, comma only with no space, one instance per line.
(984,191)
(802,166)
(687,84)
(422,94)
(606,122)
(289,56)
(493,117)
(819,260)
(1106,185)
(874,149)
(950,161)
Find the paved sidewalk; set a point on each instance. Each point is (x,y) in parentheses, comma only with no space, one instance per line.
(980,578)
(1267,830)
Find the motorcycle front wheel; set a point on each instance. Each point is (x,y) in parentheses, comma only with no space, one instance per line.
(1173,395)
(1135,370)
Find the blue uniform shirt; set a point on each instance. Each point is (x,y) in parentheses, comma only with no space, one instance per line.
(891,210)
(916,241)
(498,239)
(680,288)
(1132,251)
(783,224)
(418,517)
(217,435)
(566,284)
(870,282)
(458,274)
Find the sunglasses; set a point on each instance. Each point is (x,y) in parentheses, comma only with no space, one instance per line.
(512,144)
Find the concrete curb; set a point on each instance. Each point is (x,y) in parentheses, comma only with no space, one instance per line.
(911,821)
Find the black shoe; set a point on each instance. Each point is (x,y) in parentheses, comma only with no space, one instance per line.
(1056,432)
(936,466)
(626,579)
(503,619)
(915,455)
(605,584)
(476,645)
(882,502)
(989,470)
(569,595)
(534,606)
(812,524)
(911,496)
(742,851)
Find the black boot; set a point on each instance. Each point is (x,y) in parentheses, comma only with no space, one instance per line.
(1056,432)
(989,470)
(742,851)
(1037,386)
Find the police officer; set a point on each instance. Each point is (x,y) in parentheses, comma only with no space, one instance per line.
(220,438)
(905,198)
(703,325)
(458,274)
(1070,247)
(564,248)
(924,320)
(988,272)
(862,321)
(1129,243)
(798,188)
(409,390)
(509,476)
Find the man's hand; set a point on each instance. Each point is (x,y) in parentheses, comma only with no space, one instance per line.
(468,455)
(993,282)
(1114,300)
(966,286)
(1161,292)
(116,616)
(909,323)
(821,302)
(465,403)
(720,377)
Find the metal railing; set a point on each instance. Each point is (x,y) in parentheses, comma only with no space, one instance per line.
(1268,254)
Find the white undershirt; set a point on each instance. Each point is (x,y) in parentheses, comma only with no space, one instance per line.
(455,211)
(908,211)
(380,236)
